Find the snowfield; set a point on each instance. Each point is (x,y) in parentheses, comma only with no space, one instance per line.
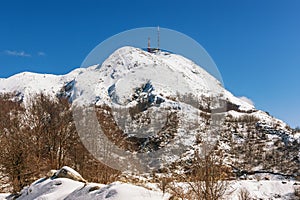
(59,187)
(263,189)
(54,188)
(169,74)
(67,189)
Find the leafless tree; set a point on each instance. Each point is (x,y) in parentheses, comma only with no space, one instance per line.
(43,137)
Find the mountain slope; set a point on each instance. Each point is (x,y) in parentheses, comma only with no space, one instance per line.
(189,99)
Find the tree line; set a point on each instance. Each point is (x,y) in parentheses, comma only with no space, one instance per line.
(40,137)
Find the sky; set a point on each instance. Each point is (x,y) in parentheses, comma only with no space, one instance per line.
(255,44)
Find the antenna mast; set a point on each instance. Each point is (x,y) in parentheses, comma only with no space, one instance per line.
(149,48)
(158,35)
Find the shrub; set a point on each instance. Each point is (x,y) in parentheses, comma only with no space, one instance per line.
(297,191)
(244,194)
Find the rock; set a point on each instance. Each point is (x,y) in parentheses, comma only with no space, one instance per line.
(51,173)
(67,172)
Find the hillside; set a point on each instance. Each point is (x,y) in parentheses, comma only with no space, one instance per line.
(161,110)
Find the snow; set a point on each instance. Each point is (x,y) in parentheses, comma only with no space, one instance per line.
(67,189)
(29,84)
(263,189)
(62,188)
(3,195)
(50,189)
(169,74)
(246,99)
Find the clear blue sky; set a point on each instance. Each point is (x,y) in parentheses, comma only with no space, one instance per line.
(255,44)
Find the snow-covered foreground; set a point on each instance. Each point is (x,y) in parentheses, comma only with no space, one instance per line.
(263,189)
(67,189)
(67,184)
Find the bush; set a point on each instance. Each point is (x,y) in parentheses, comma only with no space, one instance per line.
(297,191)
(206,181)
(244,194)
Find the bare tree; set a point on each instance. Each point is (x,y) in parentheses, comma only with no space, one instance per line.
(205,180)
(14,143)
(43,137)
(208,178)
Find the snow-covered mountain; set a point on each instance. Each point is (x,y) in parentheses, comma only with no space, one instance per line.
(146,83)
(124,70)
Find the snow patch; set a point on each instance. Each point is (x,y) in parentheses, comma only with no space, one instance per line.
(247,100)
